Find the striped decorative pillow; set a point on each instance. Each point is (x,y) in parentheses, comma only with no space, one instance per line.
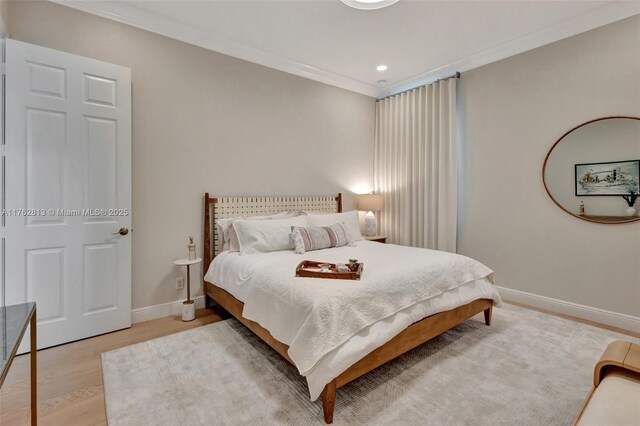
(316,238)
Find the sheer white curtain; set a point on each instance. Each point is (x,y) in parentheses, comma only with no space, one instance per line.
(415,166)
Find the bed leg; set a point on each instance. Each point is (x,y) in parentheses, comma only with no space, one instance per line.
(329,401)
(487,315)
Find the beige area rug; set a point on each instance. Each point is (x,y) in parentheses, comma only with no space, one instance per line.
(528,368)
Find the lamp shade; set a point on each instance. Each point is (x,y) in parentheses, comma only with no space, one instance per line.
(371,202)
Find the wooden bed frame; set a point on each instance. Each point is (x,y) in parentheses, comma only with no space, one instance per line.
(413,336)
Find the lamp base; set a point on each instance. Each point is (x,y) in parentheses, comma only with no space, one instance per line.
(370,225)
(188,310)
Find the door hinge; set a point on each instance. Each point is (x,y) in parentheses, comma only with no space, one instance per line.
(3,150)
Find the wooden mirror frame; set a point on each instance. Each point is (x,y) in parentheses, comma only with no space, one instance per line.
(544,179)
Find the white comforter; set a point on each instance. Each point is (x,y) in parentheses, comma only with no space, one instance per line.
(319,319)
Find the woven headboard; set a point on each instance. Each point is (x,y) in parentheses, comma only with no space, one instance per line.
(225,207)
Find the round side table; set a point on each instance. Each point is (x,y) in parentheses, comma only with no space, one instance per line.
(188,306)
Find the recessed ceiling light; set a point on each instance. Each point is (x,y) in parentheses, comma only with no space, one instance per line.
(381,67)
(382,81)
(368,4)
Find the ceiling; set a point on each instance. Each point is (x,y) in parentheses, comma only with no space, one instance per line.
(327,41)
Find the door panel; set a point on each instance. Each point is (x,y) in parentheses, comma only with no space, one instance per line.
(102,181)
(100,278)
(46,136)
(45,281)
(47,80)
(100,90)
(68,157)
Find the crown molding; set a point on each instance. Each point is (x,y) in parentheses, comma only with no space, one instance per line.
(601,16)
(130,15)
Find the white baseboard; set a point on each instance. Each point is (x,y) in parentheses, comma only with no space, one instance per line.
(163,310)
(614,319)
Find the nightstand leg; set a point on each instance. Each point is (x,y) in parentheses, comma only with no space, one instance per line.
(188,283)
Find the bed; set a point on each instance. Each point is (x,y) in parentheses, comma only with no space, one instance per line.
(391,310)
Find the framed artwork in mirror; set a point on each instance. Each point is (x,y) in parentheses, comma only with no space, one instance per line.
(592,172)
(608,179)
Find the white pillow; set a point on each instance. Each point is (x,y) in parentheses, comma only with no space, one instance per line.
(350,219)
(262,236)
(225,226)
(223,232)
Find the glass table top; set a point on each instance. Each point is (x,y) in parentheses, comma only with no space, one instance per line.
(14,320)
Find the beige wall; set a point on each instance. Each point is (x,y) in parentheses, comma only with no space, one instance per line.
(512,112)
(203,121)
(3,14)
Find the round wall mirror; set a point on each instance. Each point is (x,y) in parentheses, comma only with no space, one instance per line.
(593,171)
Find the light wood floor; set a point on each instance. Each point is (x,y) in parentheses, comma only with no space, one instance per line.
(70,389)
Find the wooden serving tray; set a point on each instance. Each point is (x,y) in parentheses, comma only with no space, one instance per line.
(302,271)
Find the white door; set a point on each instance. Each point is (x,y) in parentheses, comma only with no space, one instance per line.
(68,177)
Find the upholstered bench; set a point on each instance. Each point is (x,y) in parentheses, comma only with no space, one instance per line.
(615,397)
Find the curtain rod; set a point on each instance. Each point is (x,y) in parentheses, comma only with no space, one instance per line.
(456,75)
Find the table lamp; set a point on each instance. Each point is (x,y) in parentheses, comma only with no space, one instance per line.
(370,203)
